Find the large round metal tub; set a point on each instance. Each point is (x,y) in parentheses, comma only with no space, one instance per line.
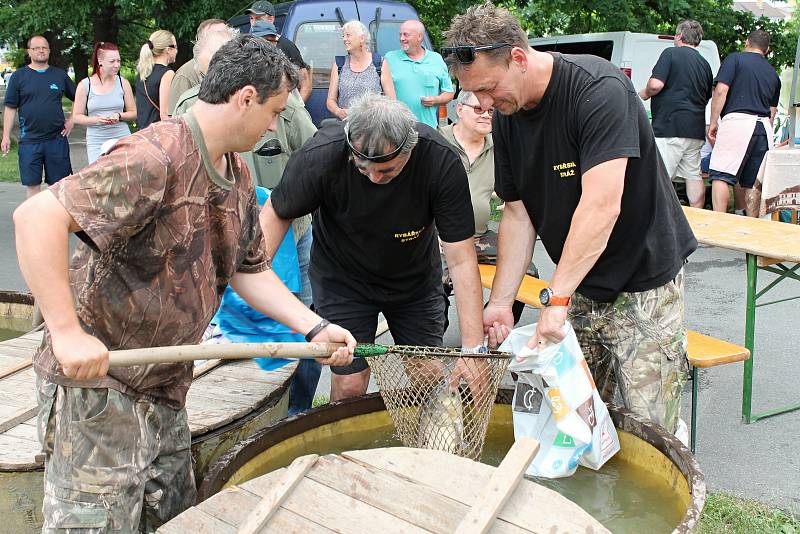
(353,423)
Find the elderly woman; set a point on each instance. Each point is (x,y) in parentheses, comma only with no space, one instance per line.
(104,101)
(358,73)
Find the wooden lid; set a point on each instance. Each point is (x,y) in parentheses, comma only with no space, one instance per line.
(391,490)
(221,396)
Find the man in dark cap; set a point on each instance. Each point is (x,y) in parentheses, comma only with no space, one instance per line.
(263,11)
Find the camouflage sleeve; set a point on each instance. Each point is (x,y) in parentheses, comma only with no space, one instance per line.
(115,197)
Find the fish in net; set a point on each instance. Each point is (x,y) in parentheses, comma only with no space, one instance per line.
(439,398)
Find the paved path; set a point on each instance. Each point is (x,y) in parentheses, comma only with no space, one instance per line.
(758,460)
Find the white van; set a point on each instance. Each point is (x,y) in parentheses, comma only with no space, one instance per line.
(635,53)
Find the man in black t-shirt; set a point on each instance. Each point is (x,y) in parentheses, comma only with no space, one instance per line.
(264,11)
(381,188)
(680,87)
(576,163)
(746,96)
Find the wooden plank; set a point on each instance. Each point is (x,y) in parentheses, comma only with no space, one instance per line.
(532,507)
(707,351)
(232,504)
(502,484)
(18,416)
(419,504)
(200,370)
(761,237)
(270,502)
(196,521)
(17,453)
(338,512)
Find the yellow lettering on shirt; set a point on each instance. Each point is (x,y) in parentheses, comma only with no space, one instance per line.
(410,235)
(565,169)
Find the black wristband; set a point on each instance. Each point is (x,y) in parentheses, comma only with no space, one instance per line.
(317,329)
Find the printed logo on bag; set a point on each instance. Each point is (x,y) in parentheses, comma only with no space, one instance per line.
(587,413)
(606,442)
(528,399)
(588,373)
(557,404)
(563,440)
(563,360)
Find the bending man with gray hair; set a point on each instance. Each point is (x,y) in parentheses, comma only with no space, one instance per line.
(380,186)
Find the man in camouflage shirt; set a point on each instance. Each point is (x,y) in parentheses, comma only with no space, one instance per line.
(168,219)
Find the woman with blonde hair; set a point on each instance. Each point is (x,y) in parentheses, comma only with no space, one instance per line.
(154,78)
(104,101)
(358,73)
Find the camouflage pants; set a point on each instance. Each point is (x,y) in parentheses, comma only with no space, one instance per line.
(636,349)
(108,456)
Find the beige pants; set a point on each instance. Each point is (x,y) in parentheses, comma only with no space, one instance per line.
(681,156)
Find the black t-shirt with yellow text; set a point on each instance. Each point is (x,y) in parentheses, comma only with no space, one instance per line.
(377,241)
(590,114)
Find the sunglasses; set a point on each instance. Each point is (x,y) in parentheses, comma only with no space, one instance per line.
(466,53)
(383,158)
(478,109)
(173,46)
(271,148)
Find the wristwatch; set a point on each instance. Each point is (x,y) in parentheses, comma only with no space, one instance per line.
(546,298)
(480,349)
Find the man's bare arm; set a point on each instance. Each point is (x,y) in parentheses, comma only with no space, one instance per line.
(9,115)
(42,228)
(463,264)
(274,227)
(304,87)
(653,87)
(718,99)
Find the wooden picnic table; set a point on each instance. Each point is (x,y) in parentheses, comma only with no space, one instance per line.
(768,245)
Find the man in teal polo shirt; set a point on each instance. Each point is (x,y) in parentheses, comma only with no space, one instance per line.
(420,76)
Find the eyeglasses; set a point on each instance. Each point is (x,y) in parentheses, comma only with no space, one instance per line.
(39,48)
(271,148)
(466,53)
(383,158)
(478,110)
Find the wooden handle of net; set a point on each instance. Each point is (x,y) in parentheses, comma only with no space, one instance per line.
(231,351)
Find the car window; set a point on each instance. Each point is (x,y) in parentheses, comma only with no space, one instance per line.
(388,36)
(319,42)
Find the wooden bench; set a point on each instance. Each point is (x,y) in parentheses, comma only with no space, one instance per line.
(703,351)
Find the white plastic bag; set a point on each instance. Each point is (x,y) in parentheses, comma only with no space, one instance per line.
(557,403)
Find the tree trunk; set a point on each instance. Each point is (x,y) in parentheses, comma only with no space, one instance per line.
(80,62)
(106,24)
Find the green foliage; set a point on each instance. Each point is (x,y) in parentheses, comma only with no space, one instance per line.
(9,165)
(723,25)
(725,514)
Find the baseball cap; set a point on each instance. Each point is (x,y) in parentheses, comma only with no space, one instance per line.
(263,29)
(261,8)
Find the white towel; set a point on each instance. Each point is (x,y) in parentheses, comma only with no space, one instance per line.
(733,137)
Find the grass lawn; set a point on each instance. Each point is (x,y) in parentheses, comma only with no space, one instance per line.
(9,166)
(725,514)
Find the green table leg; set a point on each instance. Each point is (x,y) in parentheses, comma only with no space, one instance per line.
(749,339)
(695,393)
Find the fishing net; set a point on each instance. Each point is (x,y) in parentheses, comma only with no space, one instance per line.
(439,398)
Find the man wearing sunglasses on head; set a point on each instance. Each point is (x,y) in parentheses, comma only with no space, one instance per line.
(381,186)
(577,164)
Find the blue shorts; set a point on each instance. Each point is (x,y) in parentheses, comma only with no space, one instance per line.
(53,155)
(750,164)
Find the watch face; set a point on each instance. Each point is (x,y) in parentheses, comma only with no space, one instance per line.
(544,296)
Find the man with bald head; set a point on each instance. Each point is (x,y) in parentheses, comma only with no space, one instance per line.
(204,49)
(189,74)
(420,76)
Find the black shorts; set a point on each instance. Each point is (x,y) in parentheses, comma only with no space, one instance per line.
(417,322)
(750,164)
